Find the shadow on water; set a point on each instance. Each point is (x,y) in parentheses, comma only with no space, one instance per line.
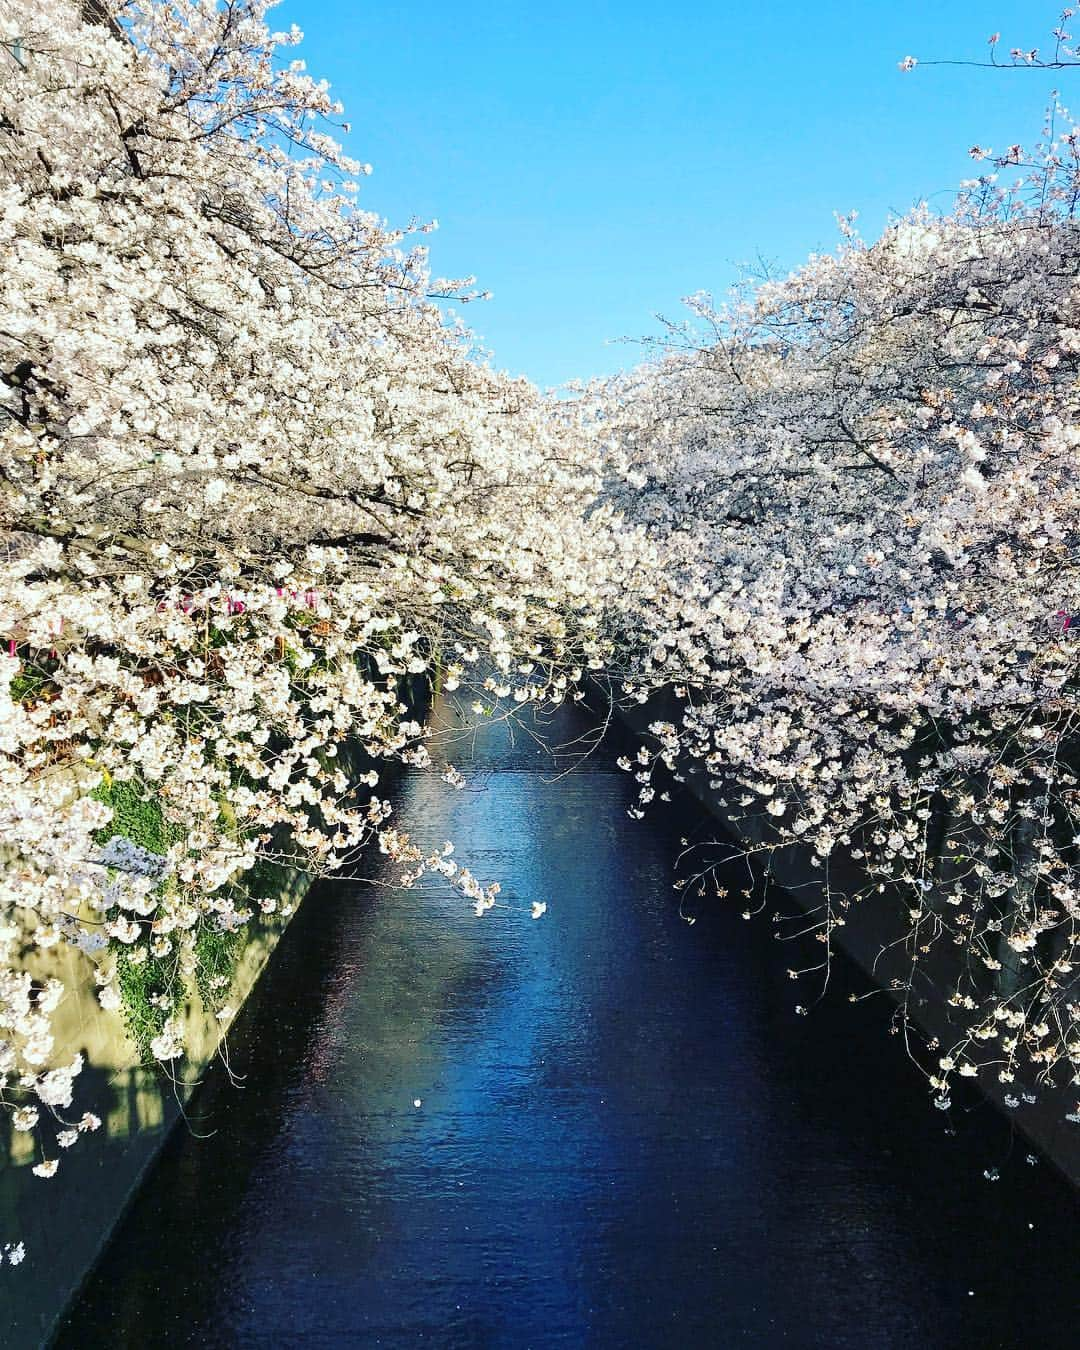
(626,1136)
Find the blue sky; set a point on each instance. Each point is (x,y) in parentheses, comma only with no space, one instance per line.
(592,163)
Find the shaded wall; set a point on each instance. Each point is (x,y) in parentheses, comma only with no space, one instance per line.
(870,937)
(65,1221)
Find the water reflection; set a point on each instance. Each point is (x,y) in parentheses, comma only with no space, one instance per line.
(625,1138)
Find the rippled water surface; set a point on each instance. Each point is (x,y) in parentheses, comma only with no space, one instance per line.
(625,1138)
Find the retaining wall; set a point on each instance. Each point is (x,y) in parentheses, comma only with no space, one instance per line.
(869,937)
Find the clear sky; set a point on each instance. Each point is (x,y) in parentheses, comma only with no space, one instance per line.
(593,162)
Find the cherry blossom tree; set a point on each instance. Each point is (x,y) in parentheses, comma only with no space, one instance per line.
(862,481)
(249,483)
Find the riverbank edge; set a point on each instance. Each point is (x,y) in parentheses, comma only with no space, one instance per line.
(864,938)
(67,1223)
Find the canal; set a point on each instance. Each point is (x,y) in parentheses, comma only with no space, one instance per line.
(624,1136)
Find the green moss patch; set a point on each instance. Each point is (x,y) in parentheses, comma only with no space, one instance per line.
(144,1020)
(135,816)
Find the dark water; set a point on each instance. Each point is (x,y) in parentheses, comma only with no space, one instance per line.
(626,1137)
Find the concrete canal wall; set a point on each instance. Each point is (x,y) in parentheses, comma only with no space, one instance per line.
(65,1221)
(869,937)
